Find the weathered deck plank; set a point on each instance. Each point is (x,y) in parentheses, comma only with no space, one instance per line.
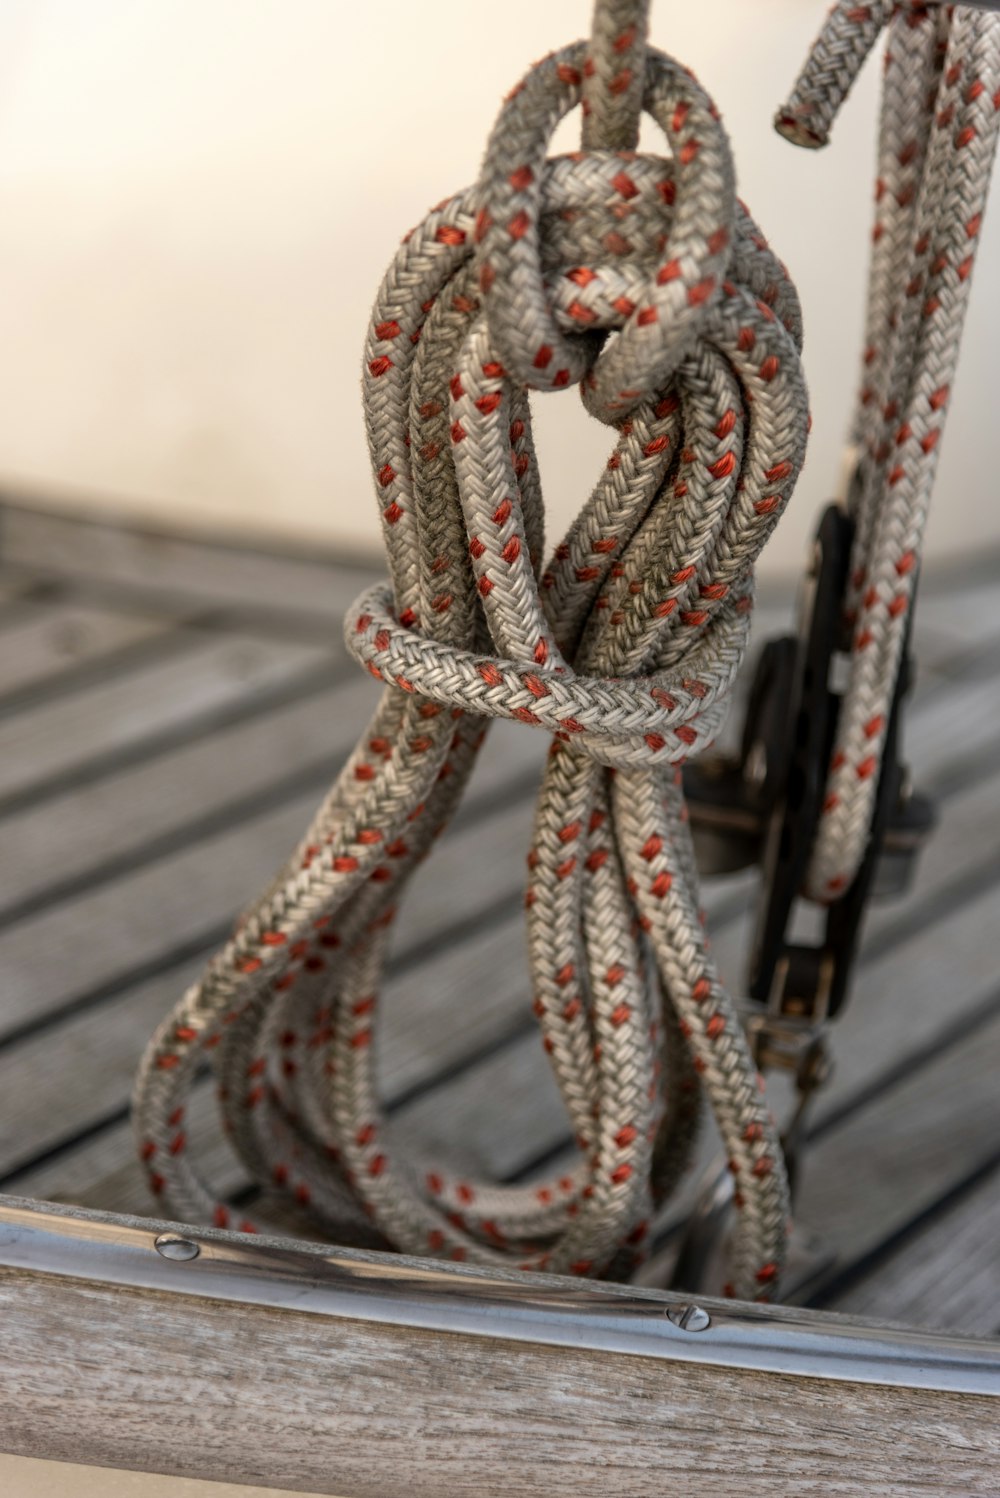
(885,1167)
(512,1083)
(199,887)
(57,742)
(57,956)
(145,800)
(356,1403)
(536,1071)
(49,645)
(112,1030)
(173,571)
(941,1271)
(143,811)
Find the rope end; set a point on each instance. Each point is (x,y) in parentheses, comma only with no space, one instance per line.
(796,128)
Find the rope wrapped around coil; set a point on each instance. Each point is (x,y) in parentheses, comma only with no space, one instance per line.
(642,280)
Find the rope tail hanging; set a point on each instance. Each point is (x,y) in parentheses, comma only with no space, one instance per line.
(938,139)
(642,280)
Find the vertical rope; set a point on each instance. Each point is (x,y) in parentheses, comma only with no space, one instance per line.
(938,138)
(614,75)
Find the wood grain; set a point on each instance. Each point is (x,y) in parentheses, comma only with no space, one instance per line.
(52,958)
(154,908)
(89,1065)
(175,1384)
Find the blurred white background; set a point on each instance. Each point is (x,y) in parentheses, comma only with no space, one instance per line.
(198,198)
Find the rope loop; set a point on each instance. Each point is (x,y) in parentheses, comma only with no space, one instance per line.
(657,719)
(688,273)
(643,278)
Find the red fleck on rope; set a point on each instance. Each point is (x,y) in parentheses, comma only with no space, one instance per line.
(640,279)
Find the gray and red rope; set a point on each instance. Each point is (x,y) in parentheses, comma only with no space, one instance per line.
(643,280)
(938,138)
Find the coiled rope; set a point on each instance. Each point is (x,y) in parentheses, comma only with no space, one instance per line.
(938,137)
(643,280)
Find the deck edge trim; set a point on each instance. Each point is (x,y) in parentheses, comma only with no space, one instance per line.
(45,1238)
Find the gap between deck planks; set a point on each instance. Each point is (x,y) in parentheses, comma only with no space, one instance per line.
(201,814)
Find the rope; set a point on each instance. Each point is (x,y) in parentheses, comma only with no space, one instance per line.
(643,280)
(614,75)
(938,139)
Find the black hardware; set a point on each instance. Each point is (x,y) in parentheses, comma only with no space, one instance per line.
(763,806)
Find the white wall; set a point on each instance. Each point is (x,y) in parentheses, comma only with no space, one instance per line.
(25,1477)
(198,197)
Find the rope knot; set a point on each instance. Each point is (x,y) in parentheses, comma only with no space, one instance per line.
(642,280)
(685,216)
(632,274)
(659,718)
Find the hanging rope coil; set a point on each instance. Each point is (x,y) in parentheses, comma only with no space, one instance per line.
(938,138)
(644,281)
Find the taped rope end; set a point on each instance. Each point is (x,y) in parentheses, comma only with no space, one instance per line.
(795,127)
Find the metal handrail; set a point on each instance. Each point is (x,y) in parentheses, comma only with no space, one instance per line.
(546,1310)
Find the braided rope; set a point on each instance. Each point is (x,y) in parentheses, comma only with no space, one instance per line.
(623,650)
(939,128)
(614,74)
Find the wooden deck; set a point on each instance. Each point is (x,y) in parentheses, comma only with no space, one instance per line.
(171,712)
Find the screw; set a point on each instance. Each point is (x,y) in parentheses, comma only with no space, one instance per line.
(689,1318)
(171,1247)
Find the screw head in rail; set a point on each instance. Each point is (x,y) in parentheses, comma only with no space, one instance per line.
(689,1318)
(172,1246)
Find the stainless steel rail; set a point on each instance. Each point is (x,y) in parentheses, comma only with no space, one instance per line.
(133,1253)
